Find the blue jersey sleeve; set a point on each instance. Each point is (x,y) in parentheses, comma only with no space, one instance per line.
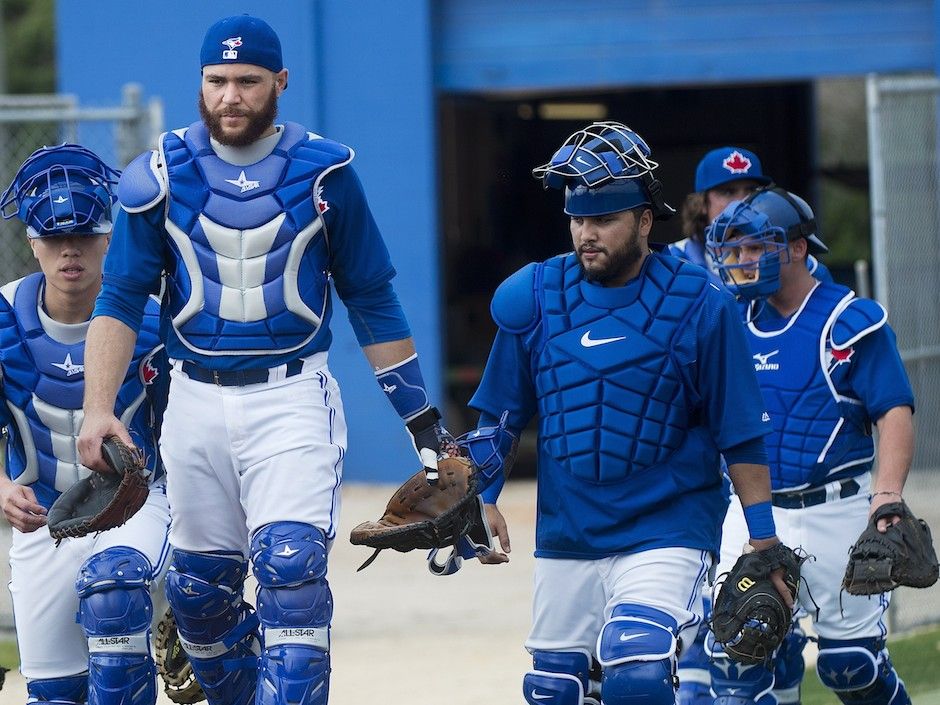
(877,375)
(133,266)
(507,382)
(731,398)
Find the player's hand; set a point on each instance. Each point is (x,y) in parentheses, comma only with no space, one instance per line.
(95,428)
(500,532)
(877,500)
(21,508)
(776,577)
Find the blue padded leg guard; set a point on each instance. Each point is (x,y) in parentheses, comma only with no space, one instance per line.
(67,690)
(558,677)
(217,629)
(860,672)
(115,612)
(694,677)
(295,607)
(789,666)
(737,683)
(637,650)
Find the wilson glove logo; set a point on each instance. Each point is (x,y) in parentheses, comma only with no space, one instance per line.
(745,584)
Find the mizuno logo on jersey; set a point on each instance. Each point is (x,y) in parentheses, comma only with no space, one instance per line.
(589,342)
(243,182)
(762,364)
(68,366)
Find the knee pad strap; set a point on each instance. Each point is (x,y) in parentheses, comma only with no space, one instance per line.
(67,690)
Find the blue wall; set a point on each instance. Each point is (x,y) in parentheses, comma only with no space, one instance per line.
(366,72)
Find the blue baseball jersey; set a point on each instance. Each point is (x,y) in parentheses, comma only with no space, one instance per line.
(637,390)
(250,252)
(43,386)
(827,372)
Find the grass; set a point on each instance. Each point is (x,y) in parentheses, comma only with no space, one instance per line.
(915,658)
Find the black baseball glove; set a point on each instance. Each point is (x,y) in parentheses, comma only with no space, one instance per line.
(425,516)
(179,681)
(902,555)
(103,500)
(750,618)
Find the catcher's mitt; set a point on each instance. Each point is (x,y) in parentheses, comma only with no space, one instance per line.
(179,681)
(102,501)
(421,515)
(750,617)
(902,555)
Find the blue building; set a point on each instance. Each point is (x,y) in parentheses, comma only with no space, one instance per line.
(449,103)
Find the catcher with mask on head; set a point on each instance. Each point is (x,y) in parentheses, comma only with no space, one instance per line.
(623,354)
(112,580)
(829,369)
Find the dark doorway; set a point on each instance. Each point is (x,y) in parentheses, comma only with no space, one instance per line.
(496,217)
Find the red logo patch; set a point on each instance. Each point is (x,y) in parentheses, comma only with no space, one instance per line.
(148,373)
(737,163)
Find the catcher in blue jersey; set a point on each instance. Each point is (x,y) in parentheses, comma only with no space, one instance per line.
(625,356)
(724,175)
(829,370)
(113,581)
(251,221)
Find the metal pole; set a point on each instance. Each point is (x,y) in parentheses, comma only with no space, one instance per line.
(877,178)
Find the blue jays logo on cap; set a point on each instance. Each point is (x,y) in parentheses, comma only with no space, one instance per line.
(726,164)
(232,43)
(737,163)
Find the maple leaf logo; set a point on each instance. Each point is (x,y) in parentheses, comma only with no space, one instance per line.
(737,163)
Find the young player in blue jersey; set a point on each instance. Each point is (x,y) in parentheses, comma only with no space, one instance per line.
(631,360)
(111,584)
(251,223)
(829,370)
(723,175)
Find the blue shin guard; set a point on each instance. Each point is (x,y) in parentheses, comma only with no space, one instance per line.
(217,629)
(295,607)
(694,677)
(67,690)
(736,683)
(860,672)
(789,667)
(115,612)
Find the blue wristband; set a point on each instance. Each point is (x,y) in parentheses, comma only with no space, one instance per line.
(404,387)
(760,520)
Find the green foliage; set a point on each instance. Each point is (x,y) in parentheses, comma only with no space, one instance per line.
(29,45)
(9,656)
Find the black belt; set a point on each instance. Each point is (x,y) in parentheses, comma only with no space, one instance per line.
(236,378)
(809,498)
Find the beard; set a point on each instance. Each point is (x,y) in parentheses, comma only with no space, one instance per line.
(619,261)
(258,122)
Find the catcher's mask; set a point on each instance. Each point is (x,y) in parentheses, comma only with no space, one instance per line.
(749,239)
(62,190)
(491,449)
(605,168)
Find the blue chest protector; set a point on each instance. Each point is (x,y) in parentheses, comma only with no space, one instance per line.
(44,382)
(249,268)
(821,431)
(609,380)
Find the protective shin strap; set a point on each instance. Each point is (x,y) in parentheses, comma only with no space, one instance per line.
(737,683)
(694,676)
(68,690)
(559,677)
(637,650)
(217,629)
(860,672)
(115,612)
(295,607)
(789,667)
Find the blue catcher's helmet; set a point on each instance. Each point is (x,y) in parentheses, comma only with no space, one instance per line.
(605,168)
(762,224)
(62,190)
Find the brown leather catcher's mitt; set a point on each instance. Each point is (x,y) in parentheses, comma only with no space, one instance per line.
(423,516)
(102,501)
(179,681)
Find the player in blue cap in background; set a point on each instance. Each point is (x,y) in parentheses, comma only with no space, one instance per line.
(631,360)
(252,222)
(110,583)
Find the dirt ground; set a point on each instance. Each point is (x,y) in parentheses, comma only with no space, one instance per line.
(395,625)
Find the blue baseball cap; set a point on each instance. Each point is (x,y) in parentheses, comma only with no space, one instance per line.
(726,164)
(242,39)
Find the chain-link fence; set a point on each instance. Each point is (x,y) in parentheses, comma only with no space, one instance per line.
(904,162)
(27,122)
